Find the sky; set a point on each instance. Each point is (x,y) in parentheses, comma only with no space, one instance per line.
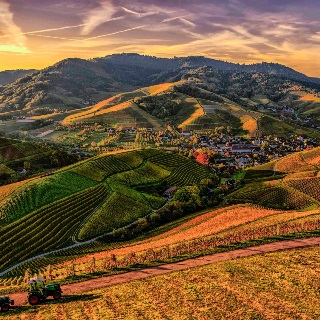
(39,33)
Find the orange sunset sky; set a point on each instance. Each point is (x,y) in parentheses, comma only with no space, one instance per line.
(38,33)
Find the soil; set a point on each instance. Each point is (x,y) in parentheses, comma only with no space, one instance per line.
(20,298)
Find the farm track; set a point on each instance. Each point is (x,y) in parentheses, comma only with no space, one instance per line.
(80,287)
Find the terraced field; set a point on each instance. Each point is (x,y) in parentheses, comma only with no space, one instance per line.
(187,174)
(49,228)
(310,186)
(85,200)
(117,176)
(40,192)
(208,231)
(273,196)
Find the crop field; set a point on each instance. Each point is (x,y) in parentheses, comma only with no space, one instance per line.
(312,156)
(159,88)
(110,165)
(270,196)
(188,174)
(294,163)
(300,175)
(310,97)
(218,227)
(127,191)
(225,226)
(279,285)
(40,192)
(145,119)
(192,112)
(86,200)
(145,174)
(168,160)
(225,221)
(309,186)
(10,188)
(47,228)
(127,137)
(91,110)
(133,159)
(90,171)
(116,110)
(270,125)
(117,211)
(207,121)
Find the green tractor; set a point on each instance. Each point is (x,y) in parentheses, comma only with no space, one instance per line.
(5,303)
(39,291)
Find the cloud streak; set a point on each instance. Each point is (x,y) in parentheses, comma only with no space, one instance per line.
(99,16)
(112,33)
(242,31)
(44,30)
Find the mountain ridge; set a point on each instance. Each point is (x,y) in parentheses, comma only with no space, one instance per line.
(8,76)
(74,82)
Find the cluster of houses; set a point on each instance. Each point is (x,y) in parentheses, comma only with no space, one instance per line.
(229,154)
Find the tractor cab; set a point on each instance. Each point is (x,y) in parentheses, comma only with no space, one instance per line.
(40,291)
(5,303)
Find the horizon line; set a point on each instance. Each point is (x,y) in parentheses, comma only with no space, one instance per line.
(158,57)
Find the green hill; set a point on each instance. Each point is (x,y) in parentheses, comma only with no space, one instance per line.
(88,199)
(291,182)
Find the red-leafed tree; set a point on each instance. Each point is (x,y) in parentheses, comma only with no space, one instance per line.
(202,158)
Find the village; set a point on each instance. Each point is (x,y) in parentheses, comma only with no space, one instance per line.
(225,154)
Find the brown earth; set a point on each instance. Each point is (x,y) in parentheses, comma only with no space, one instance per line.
(20,298)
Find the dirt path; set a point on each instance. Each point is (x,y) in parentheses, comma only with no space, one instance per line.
(20,297)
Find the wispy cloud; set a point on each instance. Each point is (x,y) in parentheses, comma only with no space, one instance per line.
(52,37)
(43,31)
(140,14)
(97,16)
(113,33)
(174,18)
(131,11)
(16,41)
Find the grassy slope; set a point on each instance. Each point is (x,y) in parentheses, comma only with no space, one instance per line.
(278,285)
(121,109)
(116,172)
(40,192)
(297,190)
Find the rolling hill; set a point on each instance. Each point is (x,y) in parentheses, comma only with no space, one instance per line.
(186,105)
(88,200)
(291,182)
(76,83)
(92,207)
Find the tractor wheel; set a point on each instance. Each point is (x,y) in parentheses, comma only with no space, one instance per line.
(56,295)
(5,307)
(33,299)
